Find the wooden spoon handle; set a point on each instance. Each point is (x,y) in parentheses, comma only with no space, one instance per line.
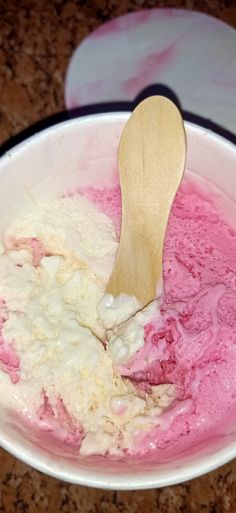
(151,163)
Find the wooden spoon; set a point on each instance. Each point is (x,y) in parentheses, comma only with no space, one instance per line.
(151,160)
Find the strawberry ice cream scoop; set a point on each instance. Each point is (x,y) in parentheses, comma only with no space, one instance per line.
(191,341)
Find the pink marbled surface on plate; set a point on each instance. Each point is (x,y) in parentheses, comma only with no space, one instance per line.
(191,53)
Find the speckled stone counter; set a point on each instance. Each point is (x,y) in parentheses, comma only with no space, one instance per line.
(37,39)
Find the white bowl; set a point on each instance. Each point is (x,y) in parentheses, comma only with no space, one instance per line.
(82,152)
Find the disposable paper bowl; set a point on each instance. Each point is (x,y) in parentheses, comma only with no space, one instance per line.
(83,152)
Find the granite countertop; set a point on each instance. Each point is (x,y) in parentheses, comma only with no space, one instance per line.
(37,39)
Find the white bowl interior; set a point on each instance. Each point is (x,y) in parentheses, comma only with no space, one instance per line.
(83,152)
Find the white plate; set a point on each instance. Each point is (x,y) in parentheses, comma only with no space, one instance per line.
(191,53)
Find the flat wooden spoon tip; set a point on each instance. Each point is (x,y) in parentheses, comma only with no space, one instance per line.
(151,158)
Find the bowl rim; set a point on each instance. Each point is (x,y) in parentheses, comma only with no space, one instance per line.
(122,481)
(101,117)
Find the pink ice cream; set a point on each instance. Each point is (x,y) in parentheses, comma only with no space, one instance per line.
(9,360)
(192,341)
